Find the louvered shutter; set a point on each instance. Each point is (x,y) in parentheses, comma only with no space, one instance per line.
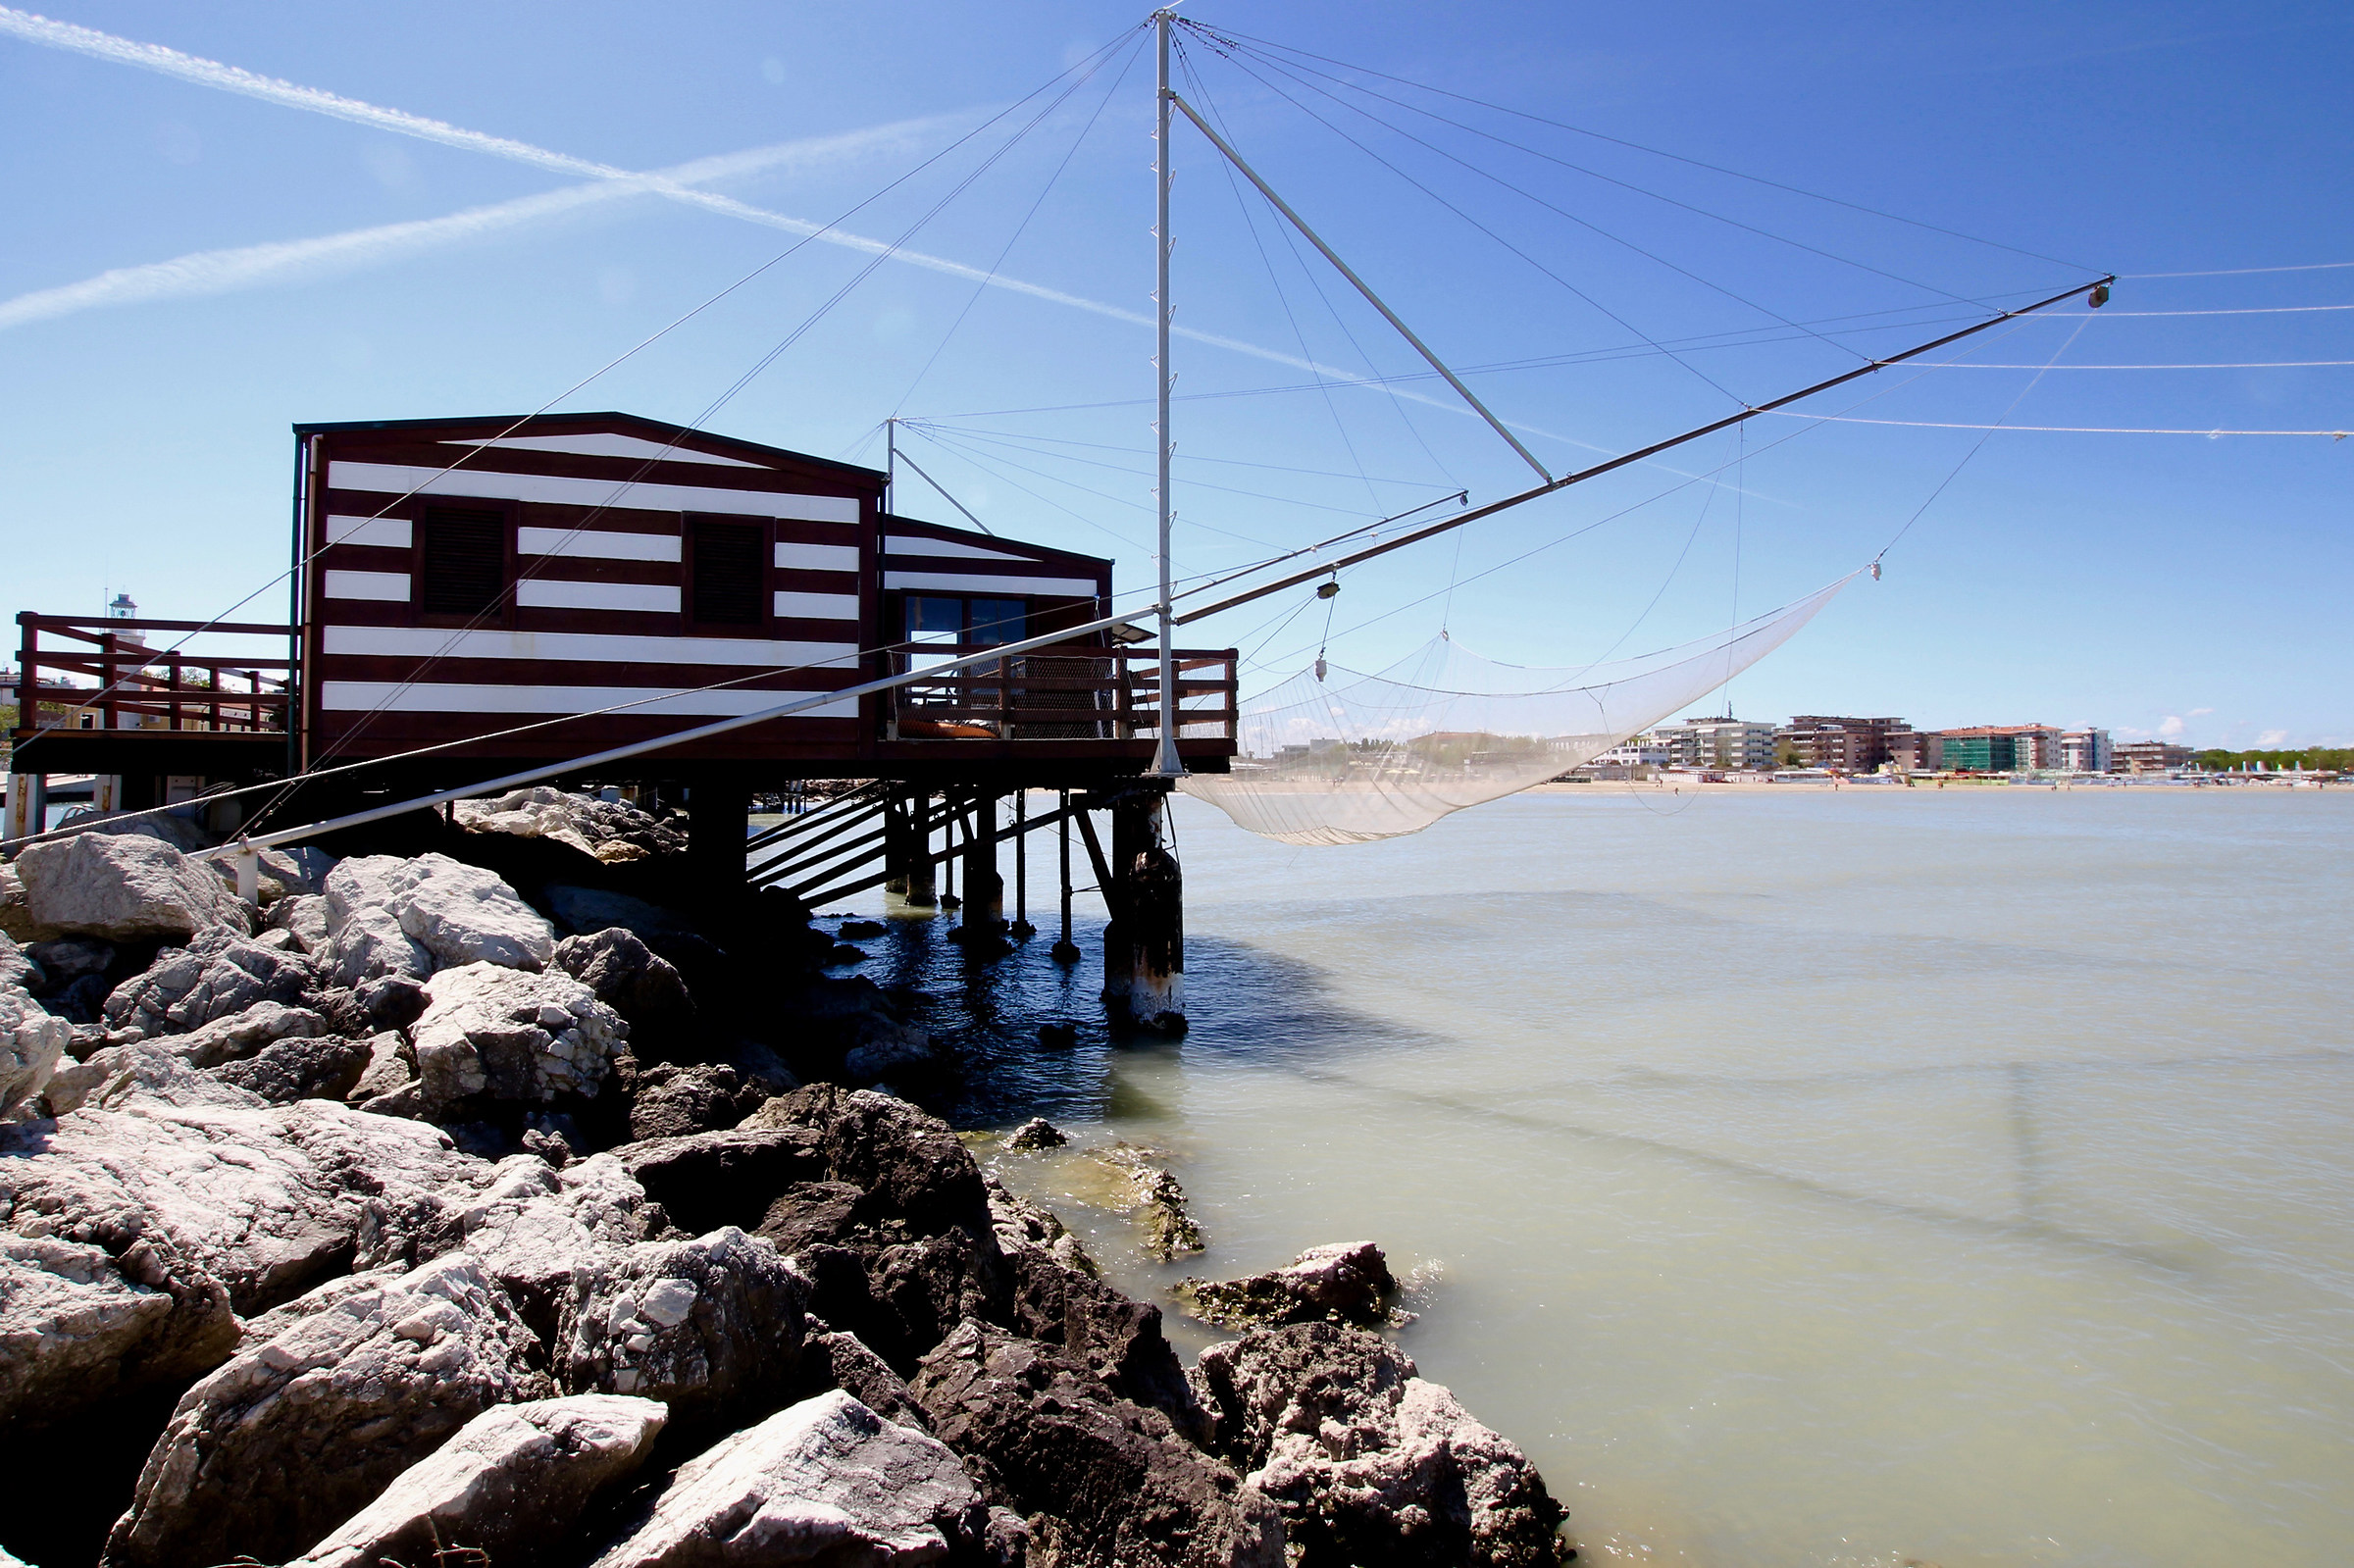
(727,578)
(463,564)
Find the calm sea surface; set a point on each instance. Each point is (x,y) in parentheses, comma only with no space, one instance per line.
(1961,1176)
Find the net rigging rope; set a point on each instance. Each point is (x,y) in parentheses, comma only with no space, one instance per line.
(1357,757)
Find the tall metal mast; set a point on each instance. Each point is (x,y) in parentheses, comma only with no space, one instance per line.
(1166,763)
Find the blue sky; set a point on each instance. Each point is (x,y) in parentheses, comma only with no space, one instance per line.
(190,268)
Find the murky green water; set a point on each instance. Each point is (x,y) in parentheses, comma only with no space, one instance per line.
(1845,1179)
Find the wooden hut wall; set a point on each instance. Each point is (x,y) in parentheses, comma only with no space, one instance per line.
(629,571)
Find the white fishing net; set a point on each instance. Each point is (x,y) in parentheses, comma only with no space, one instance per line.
(1350,757)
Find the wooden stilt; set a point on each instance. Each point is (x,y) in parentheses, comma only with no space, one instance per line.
(1021,926)
(947,855)
(1066,952)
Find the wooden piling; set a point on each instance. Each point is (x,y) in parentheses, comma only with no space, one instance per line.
(1065,952)
(1021,926)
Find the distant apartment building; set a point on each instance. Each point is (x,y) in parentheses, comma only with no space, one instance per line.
(2150,756)
(2086,751)
(1981,749)
(1728,744)
(1828,740)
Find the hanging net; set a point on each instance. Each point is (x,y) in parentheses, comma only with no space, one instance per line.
(1349,757)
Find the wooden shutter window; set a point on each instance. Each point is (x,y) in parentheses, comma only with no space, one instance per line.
(727,572)
(462,564)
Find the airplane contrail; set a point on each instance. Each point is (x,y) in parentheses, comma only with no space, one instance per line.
(35,28)
(219,271)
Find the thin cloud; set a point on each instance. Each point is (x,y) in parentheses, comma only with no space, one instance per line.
(169,62)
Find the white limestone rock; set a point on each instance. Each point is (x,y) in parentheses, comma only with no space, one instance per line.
(33,1041)
(18,968)
(290,1438)
(122,886)
(511,1485)
(304,917)
(218,973)
(609,830)
(706,1325)
(511,1035)
(200,1190)
(393,916)
(825,1481)
(241,1035)
(80,1323)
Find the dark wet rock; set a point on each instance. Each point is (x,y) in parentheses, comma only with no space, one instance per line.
(838,1360)
(1060,1297)
(1369,1462)
(711,1326)
(82,1001)
(1103,1482)
(858,931)
(911,1161)
(1349,1282)
(630,978)
(218,972)
(289,1438)
(707,1180)
(844,954)
(672,1099)
(512,1485)
(548,1143)
(826,1482)
(1059,1037)
(1036,1132)
(393,1001)
(584,911)
(300,1068)
(817,1213)
(65,961)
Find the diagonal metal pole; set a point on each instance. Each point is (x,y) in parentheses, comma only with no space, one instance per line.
(1608,465)
(1343,269)
(902,457)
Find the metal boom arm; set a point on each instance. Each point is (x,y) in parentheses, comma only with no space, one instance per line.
(1636,456)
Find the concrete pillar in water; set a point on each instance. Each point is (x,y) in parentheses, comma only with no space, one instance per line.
(1144,947)
(983,888)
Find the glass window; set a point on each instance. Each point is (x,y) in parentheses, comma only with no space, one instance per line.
(998,619)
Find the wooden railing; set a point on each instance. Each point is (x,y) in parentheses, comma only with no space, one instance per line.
(142,687)
(1082,692)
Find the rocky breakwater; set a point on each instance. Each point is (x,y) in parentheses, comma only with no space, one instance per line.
(355,1230)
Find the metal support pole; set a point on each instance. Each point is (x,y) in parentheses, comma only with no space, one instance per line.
(1166,763)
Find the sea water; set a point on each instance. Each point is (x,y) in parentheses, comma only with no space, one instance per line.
(1868,1177)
